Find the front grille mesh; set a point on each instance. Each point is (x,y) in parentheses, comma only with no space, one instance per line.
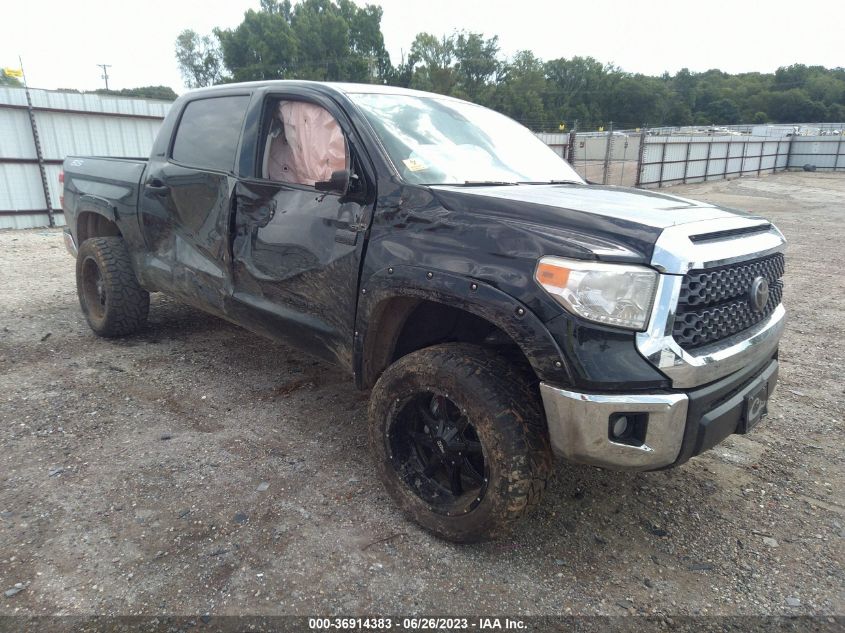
(714,303)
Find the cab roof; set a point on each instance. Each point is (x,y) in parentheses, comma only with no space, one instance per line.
(327,86)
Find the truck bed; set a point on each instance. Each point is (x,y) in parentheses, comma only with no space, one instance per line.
(102,181)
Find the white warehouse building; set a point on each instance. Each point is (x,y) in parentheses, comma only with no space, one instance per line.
(66,123)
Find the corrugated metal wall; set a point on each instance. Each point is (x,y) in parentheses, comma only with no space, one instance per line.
(67,123)
(823,152)
(671,160)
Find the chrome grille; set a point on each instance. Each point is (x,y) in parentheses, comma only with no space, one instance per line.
(714,303)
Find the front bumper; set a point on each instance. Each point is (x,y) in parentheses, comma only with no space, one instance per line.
(669,428)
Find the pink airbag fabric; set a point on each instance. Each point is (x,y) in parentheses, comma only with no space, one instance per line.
(311,147)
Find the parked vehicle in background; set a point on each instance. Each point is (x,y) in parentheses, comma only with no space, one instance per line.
(500,310)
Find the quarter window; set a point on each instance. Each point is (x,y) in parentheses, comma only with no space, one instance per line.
(209,131)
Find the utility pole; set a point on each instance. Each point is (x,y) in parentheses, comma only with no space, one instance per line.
(105,74)
(36,140)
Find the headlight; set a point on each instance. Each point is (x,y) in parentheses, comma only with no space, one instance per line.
(613,294)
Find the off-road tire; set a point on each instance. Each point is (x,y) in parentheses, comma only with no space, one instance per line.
(112,300)
(507,417)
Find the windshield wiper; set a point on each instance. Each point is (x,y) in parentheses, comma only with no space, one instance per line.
(472,183)
(549,182)
(485,183)
(501,183)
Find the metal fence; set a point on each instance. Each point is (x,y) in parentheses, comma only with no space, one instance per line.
(37,131)
(642,158)
(822,152)
(671,160)
(608,158)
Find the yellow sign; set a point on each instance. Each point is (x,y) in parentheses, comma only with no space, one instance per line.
(601,128)
(414,164)
(13,72)
(561,127)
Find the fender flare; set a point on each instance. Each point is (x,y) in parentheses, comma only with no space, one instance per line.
(473,296)
(95,204)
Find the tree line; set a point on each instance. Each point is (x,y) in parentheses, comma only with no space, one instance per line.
(336,40)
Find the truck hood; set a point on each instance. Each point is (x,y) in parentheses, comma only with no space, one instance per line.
(631,218)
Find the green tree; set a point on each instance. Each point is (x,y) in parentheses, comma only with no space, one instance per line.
(787,77)
(825,88)
(577,88)
(366,39)
(794,106)
(520,93)
(262,46)
(683,84)
(324,43)
(199,58)
(315,39)
(430,62)
(636,99)
(476,66)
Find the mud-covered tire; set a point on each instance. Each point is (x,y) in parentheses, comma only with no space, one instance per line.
(112,300)
(497,400)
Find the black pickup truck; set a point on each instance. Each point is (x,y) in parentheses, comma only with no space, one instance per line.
(500,309)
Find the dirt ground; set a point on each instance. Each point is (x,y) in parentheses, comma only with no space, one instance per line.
(196,468)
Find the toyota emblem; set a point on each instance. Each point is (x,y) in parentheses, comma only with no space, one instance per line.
(759,293)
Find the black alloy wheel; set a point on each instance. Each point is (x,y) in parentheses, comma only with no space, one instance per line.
(434,445)
(460,440)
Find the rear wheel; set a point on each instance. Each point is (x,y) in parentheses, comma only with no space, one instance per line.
(112,300)
(459,441)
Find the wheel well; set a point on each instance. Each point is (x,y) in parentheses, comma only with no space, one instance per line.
(90,225)
(403,325)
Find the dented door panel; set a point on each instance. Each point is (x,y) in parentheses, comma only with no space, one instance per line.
(290,267)
(188,229)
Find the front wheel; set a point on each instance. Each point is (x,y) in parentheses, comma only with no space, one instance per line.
(112,300)
(459,441)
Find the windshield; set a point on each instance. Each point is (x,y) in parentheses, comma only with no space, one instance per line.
(445,141)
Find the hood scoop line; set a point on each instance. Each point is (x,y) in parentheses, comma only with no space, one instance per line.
(720,235)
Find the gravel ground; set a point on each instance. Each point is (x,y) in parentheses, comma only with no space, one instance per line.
(196,468)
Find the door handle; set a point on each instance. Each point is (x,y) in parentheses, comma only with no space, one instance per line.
(156,187)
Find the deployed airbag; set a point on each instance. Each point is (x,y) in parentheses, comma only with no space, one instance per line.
(308,147)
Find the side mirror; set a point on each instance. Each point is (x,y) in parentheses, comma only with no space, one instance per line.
(338,183)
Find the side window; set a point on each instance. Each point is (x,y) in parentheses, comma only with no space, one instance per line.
(209,131)
(303,144)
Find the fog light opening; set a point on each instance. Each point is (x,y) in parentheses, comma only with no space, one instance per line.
(620,427)
(628,428)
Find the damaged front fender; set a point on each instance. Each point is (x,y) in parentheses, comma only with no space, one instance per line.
(375,330)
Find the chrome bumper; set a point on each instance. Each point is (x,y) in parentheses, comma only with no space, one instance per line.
(580,431)
(70,245)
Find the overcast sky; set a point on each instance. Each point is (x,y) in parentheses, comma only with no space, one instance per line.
(62,41)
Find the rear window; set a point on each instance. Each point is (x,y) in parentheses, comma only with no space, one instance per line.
(209,131)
